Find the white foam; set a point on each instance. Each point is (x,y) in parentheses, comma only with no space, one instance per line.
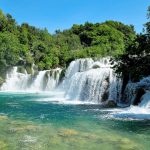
(130,113)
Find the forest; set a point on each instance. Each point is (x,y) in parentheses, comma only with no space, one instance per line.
(25,45)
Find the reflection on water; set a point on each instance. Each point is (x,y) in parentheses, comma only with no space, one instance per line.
(27,123)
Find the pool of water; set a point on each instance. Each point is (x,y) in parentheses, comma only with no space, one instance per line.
(28,122)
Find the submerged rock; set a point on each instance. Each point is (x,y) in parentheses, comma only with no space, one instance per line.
(2,117)
(29,139)
(67,132)
(110,104)
(23,128)
(3,145)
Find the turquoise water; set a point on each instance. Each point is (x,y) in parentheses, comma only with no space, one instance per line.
(28,123)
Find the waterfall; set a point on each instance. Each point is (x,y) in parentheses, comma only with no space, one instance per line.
(79,65)
(93,81)
(53,77)
(142,110)
(131,89)
(38,83)
(145,100)
(22,82)
(15,80)
(85,80)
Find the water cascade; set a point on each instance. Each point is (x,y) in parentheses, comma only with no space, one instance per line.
(85,81)
(92,81)
(41,81)
(136,94)
(132,90)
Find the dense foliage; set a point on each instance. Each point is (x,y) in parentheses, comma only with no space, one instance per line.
(24,45)
(134,63)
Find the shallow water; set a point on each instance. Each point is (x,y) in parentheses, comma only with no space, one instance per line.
(28,123)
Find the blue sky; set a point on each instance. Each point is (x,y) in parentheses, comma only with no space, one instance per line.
(62,14)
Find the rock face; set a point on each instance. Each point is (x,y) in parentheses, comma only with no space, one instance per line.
(139,93)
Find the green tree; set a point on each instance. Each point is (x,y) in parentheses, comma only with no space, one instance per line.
(135,62)
(9,50)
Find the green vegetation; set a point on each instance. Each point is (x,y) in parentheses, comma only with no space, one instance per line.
(24,45)
(134,63)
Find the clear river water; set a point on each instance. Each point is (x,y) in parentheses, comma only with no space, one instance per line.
(39,122)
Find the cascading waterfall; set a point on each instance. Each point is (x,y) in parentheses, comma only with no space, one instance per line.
(53,77)
(145,102)
(85,80)
(93,81)
(132,89)
(142,110)
(41,81)
(79,65)
(38,82)
(15,81)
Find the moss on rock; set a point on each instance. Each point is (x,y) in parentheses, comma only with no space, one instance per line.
(29,69)
(1,81)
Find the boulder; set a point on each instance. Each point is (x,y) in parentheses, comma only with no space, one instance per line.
(110,104)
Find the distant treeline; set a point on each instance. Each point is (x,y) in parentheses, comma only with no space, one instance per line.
(24,45)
